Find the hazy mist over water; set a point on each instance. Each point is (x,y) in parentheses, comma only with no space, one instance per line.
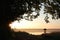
(38,31)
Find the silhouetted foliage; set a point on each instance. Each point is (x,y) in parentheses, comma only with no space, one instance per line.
(16,8)
(11,9)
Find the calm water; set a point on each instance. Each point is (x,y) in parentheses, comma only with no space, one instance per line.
(38,31)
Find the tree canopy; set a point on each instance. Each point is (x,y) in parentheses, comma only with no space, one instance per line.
(17,8)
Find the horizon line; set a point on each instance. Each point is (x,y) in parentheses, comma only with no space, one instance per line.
(40,29)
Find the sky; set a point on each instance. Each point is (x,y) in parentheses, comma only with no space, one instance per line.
(35,26)
(38,23)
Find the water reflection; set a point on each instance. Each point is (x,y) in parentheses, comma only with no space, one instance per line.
(37,31)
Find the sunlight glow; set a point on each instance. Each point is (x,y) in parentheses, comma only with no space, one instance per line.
(25,24)
(37,23)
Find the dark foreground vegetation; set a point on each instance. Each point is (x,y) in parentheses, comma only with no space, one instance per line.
(26,36)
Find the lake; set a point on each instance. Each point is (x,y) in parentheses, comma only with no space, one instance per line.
(37,31)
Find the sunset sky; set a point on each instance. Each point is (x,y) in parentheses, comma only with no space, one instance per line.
(37,23)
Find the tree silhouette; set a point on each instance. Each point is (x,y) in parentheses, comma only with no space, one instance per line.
(18,8)
(11,9)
